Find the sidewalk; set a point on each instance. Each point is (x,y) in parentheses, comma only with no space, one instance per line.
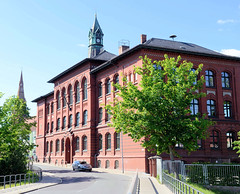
(147,184)
(150,185)
(47,180)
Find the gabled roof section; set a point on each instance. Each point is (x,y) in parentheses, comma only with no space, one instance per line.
(181,46)
(104,55)
(101,57)
(168,46)
(43,97)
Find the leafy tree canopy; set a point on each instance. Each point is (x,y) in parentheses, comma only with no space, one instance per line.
(157,111)
(237,144)
(14,136)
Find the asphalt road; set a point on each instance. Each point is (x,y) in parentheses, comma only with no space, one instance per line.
(85,182)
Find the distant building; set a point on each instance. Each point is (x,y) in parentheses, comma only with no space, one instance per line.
(32,136)
(72,123)
(21,89)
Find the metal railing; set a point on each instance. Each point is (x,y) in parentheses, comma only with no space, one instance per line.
(9,181)
(177,186)
(213,174)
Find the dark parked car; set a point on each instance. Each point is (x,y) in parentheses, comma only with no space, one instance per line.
(81,166)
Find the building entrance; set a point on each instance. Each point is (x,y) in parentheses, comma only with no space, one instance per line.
(67,156)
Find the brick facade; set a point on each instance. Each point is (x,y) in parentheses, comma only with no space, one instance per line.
(82,142)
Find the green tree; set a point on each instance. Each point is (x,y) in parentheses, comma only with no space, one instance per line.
(237,144)
(14,135)
(157,111)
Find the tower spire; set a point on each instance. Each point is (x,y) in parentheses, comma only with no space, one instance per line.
(95,39)
(21,89)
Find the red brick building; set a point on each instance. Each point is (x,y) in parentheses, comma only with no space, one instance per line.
(72,123)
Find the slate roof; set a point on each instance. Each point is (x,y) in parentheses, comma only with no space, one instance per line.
(43,97)
(102,57)
(181,46)
(171,46)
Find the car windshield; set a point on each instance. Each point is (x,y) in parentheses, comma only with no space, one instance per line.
(76,162)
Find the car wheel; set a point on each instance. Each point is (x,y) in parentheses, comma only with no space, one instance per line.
(73,169)
(89,170)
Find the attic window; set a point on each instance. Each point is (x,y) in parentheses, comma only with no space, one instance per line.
(182,47)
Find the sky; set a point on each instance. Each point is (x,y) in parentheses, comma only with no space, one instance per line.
(42,38)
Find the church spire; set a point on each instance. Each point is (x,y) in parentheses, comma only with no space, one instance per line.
(95,39)
(21,89)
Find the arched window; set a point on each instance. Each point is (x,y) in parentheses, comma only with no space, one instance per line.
(70,97)
(85,89)
(100,142)
(99,163)
(52,126)
(85,143)
(57,145)
(116,164)
(58,100)
(77,143)
(136,77)
(193,70)
(48,109)
(230,139)
(47,146)
(64,97)
(51,146)
(77,92)
(52,107)
(85,116)
(214,140)
(211,108)
(209,77)
(100,89)
(194,107)
(70,121)
(58,124)
(108,86)
(225,80)
(47,127)
(107,164)
(100,112)
(117,141)
(108,115)
(116,81)
(63,145)
(77,119)
(108,143)
(227,106)
(64,122)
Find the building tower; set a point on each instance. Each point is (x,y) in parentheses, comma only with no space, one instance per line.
(21,89)
(95,39)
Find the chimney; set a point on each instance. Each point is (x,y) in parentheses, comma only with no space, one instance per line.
(143,38)
(122,48)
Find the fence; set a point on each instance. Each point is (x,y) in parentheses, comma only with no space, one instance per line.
(177,186)
(212,174)
(205,174)
(9,181)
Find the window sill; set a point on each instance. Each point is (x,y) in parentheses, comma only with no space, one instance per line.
(84,150)
(226,88)
(108,150)
(84,100)
(108,94)
(118,149)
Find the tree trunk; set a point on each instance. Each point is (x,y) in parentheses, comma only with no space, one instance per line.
(171,153)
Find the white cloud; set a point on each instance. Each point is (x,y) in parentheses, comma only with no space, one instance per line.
(232,52)
(81,45)
(226,21)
